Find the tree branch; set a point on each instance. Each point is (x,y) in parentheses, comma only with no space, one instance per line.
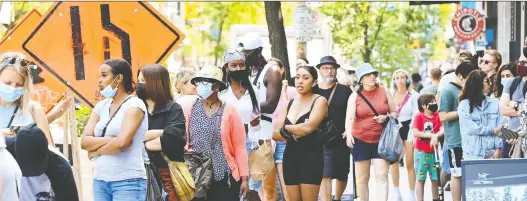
(379,26)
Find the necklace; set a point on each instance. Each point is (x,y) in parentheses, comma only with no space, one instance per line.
(210,107)
(302,104)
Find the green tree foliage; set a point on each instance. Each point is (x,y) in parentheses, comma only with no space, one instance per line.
(380,32)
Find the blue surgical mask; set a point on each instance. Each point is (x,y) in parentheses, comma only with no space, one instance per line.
(204,90)
(10,94)
(108,91)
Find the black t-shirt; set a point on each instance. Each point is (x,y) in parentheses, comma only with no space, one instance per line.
(338,105)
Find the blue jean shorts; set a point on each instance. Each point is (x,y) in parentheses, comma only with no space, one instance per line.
(125,190)
(253,185)
(279,151)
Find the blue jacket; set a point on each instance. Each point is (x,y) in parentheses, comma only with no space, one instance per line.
(477,128)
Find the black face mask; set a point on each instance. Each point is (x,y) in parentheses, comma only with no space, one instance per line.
(239,75)
(433,107)
(140,91)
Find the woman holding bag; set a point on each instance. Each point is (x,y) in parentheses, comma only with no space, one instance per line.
(405,100)
(215,129)
(166,135)
(364,129)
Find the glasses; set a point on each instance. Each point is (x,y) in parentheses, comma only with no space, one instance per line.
(328,68)
(486,62)
(22,62)
(203,82)
(370,74)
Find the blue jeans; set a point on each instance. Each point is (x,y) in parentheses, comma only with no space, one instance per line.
(279,151)
(253,185)
(126,190)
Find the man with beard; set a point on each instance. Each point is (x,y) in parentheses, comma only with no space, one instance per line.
(336,153)
(268,84)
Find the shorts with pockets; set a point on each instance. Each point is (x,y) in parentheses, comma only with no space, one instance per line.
(337,160)
(455,156)
(425,165)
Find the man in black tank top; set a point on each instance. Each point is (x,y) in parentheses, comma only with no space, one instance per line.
(336,153)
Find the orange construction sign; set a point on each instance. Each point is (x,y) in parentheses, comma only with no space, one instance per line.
(75,38)
(47,89)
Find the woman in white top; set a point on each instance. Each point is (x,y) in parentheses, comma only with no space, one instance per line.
(406,102)
(116,143)
(240,92)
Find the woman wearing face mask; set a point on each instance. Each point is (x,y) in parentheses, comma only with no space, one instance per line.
(405,100)
(303,157)
(166,135)
(479,120)
(240,93)
(215,129)
(185,90)
(364,129)
(16,106)
(506,71)
(114,136)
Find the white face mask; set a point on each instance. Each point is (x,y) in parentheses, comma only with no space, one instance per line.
(108,91)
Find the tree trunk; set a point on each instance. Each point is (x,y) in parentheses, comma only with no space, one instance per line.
(218,43)
(277,38)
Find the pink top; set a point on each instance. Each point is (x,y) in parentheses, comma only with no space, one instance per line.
(232,138)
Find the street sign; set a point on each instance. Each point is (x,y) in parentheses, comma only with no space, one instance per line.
(75,38)
(303,23)
(468,23)
(503,179)
(47,90)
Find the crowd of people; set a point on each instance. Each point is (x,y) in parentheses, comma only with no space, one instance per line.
(246,109)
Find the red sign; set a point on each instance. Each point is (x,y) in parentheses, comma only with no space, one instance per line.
(75,38)
(468,23)
(47,90)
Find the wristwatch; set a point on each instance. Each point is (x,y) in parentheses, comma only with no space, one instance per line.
(516,105)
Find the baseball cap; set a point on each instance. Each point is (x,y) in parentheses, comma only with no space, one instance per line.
(32,153)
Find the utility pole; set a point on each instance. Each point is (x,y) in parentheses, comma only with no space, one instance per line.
(301,26)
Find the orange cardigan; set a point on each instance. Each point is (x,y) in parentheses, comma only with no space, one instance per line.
(232,138)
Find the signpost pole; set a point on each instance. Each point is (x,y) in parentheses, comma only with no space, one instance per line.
(72,129)
(301,47)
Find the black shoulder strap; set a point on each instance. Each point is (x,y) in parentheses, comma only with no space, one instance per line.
(12,117)
(368,102)
(313,104)
(111,118)
(255,81)
(517,80)
(290,103)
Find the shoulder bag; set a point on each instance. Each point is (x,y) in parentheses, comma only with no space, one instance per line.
(327,130)
(390,145)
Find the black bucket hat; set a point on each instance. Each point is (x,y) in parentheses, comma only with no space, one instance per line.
(328,60)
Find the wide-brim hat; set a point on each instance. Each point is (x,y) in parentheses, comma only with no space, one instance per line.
(365,69)
(32,153)
(211,74)
(328,60)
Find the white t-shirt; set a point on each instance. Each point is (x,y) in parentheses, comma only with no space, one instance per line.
(267,129)
(10,175)
(128,164)
(245,108)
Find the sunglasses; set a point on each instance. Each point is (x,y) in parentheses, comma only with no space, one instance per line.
(485,61)
(23,62)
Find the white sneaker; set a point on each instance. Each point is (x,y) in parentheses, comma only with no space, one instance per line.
(411,195)
(397,195)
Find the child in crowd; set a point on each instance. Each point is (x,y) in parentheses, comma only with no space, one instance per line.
(427,128)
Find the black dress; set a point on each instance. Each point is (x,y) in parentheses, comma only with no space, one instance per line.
(303,160)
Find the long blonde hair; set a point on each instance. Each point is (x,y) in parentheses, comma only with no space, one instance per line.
(24,102)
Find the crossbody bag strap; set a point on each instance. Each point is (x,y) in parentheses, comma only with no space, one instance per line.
(12,117)
(111,118)
(368,102)
(404,102)
(217,123)
(332,92)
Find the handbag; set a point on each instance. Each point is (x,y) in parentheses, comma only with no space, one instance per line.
(390,144)
(508,134)
(155,190)
(327,130)
(181,180)
(261,161)
(199,165)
